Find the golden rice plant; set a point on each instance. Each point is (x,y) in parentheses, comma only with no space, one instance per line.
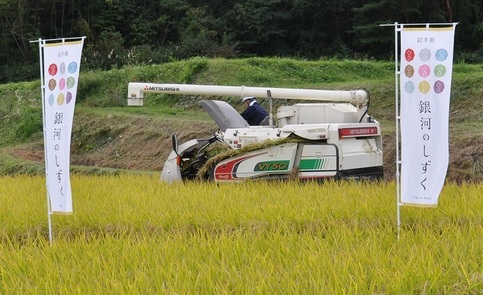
(132,234)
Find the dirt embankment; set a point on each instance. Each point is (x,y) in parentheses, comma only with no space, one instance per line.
(122,142)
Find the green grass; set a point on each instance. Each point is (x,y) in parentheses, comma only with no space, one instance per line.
(133,234)
(20,103)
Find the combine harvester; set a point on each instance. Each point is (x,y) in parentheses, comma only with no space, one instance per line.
(306,141)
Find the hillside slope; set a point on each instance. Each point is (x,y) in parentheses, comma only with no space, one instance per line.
(109,135)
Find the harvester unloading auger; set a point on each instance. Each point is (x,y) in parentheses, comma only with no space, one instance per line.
(306,141)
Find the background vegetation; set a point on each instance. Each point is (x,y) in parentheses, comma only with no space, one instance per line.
(135,235)
(155,31)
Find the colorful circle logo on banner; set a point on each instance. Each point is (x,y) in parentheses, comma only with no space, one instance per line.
(69,97)
(70,82)
(60,99)
(424,54)
(424,71)
(409,87)
(51,99)
(62,84)
(439,70)
(409,54)
(72,68)
(438,86)
(62,68)
(52,84)
(441,54)
(52,69)
(424,87)
(409,71)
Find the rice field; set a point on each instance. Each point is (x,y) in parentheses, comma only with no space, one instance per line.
(131,234)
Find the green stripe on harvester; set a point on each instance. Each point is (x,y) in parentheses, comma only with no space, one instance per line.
(312,164)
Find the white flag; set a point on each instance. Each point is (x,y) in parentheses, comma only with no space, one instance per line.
(61,64)
(426,70)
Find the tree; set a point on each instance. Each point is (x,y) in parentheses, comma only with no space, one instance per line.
(320,28)
(259,26)
(369,38)
(17,30)
(157,30)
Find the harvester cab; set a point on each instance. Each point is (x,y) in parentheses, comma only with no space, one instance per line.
(333,139)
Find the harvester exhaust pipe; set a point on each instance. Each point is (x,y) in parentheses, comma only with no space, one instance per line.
(269,95)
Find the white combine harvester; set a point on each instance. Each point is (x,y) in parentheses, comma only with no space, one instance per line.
(306,141)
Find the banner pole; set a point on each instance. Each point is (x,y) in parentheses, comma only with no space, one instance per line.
(397,29)
(49,220)
(42,87)
(398,118)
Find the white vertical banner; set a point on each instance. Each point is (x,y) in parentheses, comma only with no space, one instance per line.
(61,64)
(425,85)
